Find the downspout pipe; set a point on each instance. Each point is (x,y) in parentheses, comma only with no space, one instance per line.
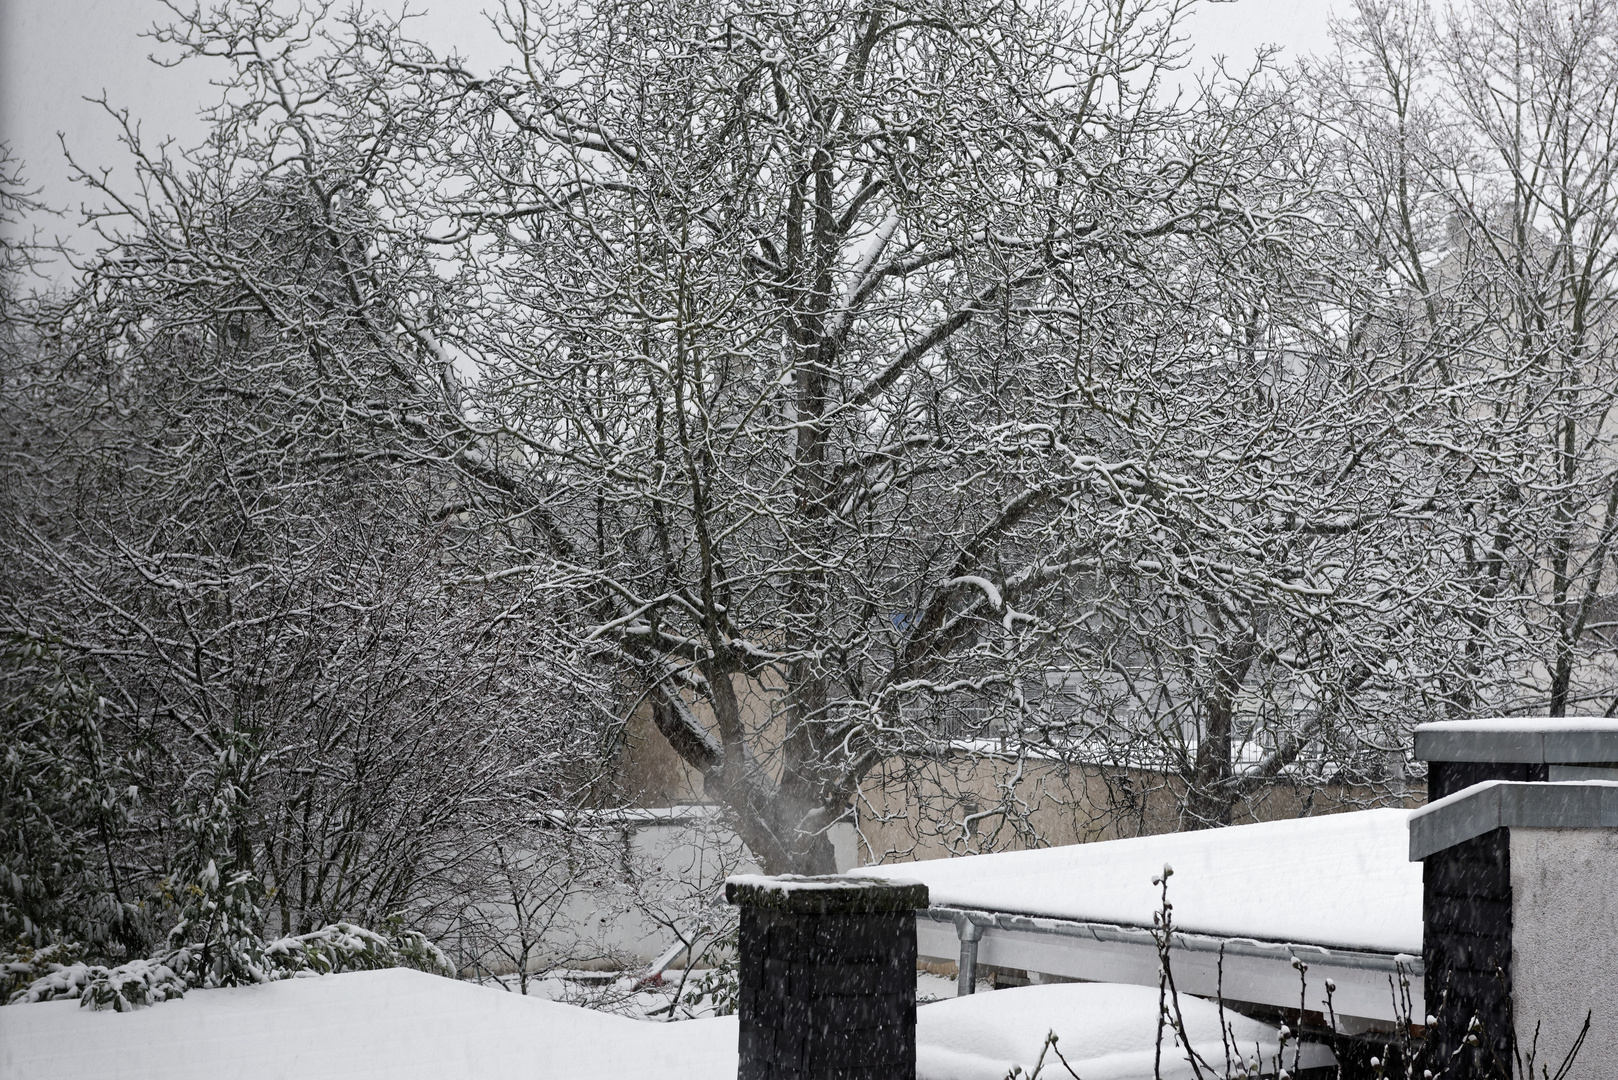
(970,931)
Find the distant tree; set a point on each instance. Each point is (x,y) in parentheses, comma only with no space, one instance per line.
(1480,161)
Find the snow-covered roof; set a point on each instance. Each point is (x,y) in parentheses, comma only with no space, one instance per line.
(1340,880)
(1526,723)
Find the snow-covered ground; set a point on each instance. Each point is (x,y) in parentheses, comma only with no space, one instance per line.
(931,988)
(400,1024)
(1104,1031)
(630,995)
(364,1025)
(1341,880)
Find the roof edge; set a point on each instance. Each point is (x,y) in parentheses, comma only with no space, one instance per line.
(1535,740)
(1494,804)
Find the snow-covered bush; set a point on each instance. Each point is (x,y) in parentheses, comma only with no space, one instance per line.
(346,947)
(720,987)
(54,972)
(59,971)
(63,794)
(125,987)
(21,965)
(215,941)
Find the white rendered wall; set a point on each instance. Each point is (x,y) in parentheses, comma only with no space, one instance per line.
(1564,956)
(667,874)
(625,916)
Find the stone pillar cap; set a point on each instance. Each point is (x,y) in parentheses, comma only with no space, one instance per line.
(1493,804)
(825,895)
(1559,740)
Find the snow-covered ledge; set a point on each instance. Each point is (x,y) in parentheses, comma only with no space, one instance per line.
(1460,753)
(828,976)
(1521,920)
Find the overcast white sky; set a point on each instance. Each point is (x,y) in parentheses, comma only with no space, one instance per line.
(54,53)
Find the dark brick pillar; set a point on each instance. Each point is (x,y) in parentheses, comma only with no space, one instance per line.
(828,977)
(1466,946)
(1448,777)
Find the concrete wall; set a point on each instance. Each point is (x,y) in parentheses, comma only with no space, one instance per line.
(959,803)
(1564,886)
(668,876)
(969,798)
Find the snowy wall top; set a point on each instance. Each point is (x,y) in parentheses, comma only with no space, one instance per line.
(1482,808)
(1343,880)
(825,895)
(1567,740)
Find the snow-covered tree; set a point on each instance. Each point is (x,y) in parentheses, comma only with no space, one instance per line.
(860,363)
(859,383)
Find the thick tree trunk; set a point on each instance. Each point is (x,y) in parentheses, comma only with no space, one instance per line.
(782,823)
(785,834)
(1207,802)
(1212,783)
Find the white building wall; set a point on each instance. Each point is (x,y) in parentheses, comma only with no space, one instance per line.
(1564,912)
(661,881)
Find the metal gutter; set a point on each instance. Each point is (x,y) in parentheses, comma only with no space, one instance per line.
(1365,992)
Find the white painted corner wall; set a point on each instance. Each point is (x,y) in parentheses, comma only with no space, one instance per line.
(1564,914)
